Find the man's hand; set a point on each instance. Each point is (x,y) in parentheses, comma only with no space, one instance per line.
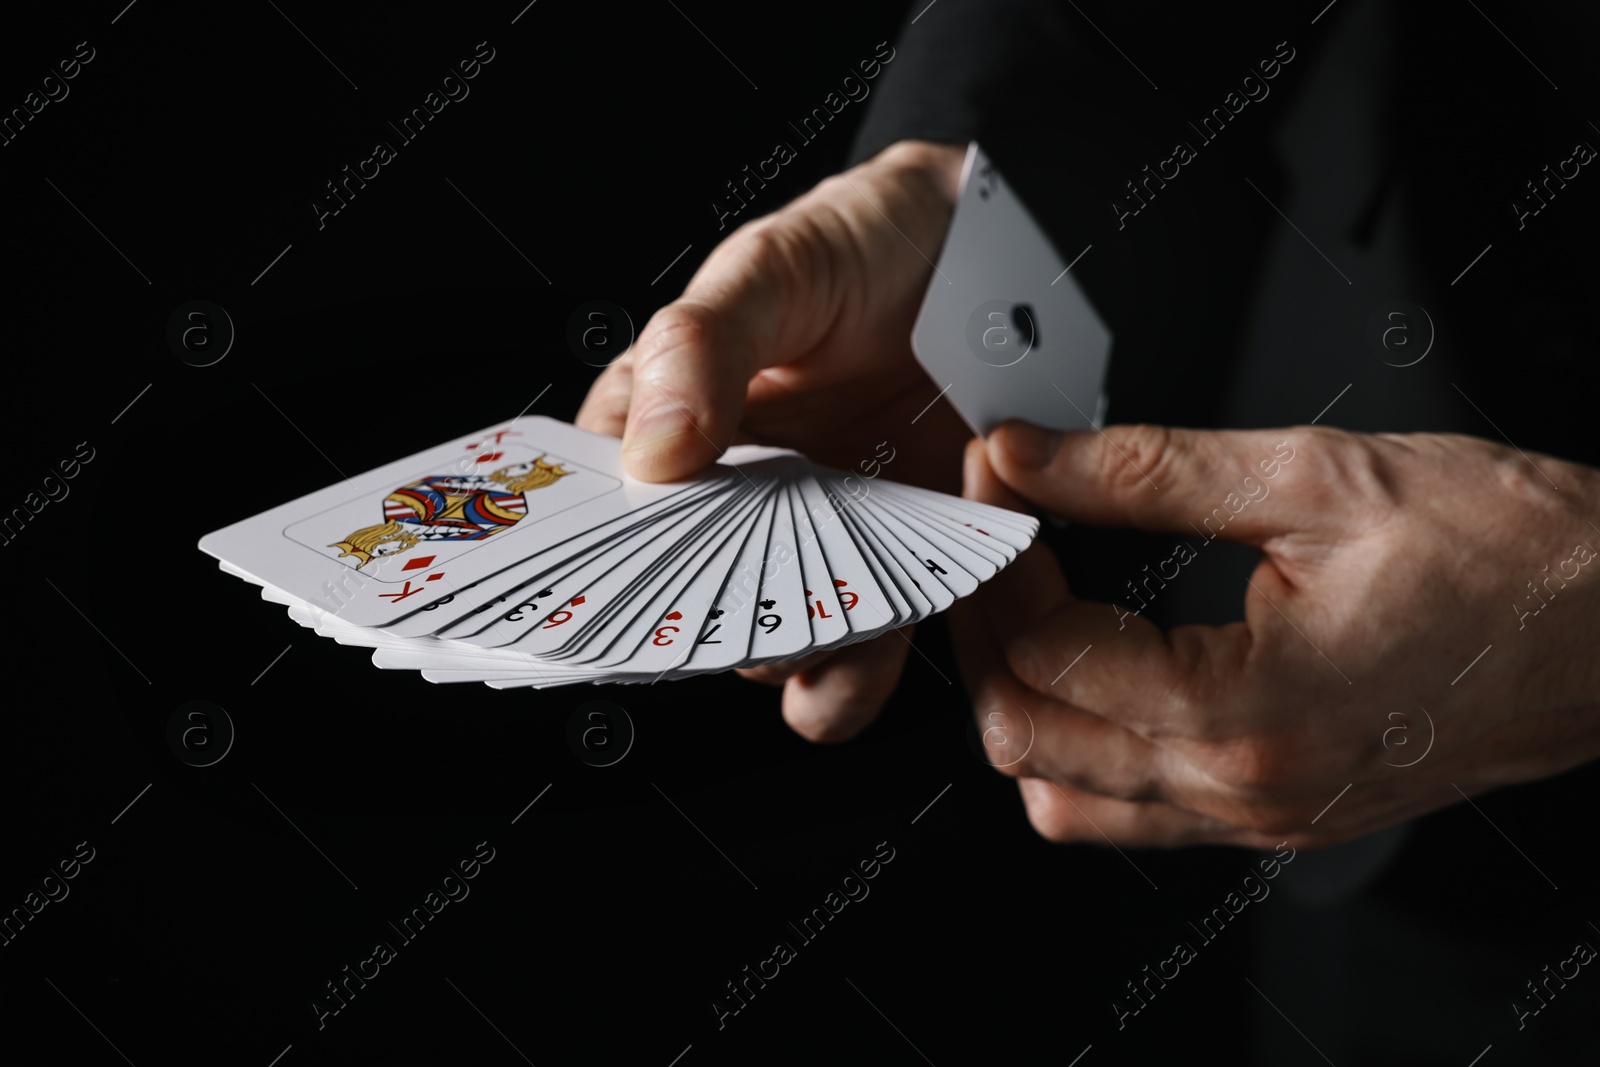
(796,332)
(1421,627)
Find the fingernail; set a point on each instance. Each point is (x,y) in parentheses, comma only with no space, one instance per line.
(1029,445)
(655,428)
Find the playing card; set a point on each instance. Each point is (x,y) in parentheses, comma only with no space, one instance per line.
(1004,328)
(1009,527)
(979,554)
(663,635)
(907,603)
(972,558)
(824,610)
(724,641)
(525,557)
(467,611)
(945,571)
(781,629)
(594,588)
(378,547)
(857,582)
(652,637)
(926,593)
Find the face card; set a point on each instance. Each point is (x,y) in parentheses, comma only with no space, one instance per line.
(740,467)
(376,548)
(434,653)
(468,610)
(443,513)
(1004,327)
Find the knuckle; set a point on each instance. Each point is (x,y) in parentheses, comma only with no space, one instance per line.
(682,324)
(1361,464)
(777,248)
(825,731)
(1513,477)
(1334,472)
(1051,817)
(613,384)
(1139,454)
(1175,686)
(1178,697)
(1029,660)
(836,189)
(770,674)
(619,373)
(1256,765)
(1007,744)
(763,248)
(1525,478)
(824,727)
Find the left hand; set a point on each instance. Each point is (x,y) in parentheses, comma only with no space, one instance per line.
(1389,563)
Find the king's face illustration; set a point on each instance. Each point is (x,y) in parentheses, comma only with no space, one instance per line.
(450,507)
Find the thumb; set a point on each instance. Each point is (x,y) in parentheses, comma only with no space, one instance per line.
(1032,586)
(747,308)
(1161,478)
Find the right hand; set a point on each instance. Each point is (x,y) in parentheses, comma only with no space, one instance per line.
(795,332)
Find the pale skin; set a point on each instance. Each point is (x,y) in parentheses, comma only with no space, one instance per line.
(1388,562)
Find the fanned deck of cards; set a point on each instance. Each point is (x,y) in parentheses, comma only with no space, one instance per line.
(524,556)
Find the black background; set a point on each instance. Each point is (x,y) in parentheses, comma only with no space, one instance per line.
(194,142)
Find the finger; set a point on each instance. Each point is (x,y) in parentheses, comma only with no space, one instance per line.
(1207,483)
(748,306)
(839,698)
(1104,659)
(782,670)
(1026,735)
(605,409)
(980,482)
(1033,584)
(1101,658)
(1063,814)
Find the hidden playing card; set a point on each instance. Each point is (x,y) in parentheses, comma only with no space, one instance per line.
(1004,327)
(525,556)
